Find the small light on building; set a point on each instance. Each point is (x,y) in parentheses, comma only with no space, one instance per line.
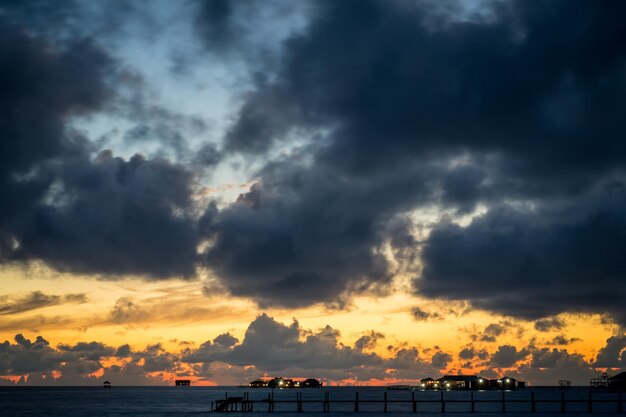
(480,381)
(508,380)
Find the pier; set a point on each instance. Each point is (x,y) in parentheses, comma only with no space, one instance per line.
(433,402)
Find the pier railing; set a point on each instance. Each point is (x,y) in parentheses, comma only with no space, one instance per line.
(441,402)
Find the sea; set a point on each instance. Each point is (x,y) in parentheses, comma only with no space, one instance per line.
(194,401)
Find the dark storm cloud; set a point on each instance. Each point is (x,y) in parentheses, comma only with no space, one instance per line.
(36,300)
(42,87)
(124,217)
(523,102)
(398,83)
(532,264)
(105,216)
(229,27)
(301,237)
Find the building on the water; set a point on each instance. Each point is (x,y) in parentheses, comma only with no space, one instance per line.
(429,383)
(106,384)
(471,382)
(607,383)
(506,383)
(618,382)
(565,384)
(258,383)
(280,382)
(600,383)
(310,383)
(182,383)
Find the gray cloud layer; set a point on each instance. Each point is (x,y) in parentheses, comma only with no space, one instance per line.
(270,347)
(399,106)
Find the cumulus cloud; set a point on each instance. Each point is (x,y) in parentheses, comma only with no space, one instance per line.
(376,85)
(549,324)
(540,262)
(106,215)
(396,108)
(273,348)
(613,354)
(492,331)
(507,356)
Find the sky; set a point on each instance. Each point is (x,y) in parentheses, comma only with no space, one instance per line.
(366,192)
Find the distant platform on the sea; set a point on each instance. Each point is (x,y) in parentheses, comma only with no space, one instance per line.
(182,383)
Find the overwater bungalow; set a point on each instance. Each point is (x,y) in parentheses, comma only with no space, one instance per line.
(618,382)
(311,383)
(280,383)
(459,382)
(470,382)
(258,383)
(182,383)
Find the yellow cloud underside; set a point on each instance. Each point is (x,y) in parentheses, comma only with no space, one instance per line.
(171,312)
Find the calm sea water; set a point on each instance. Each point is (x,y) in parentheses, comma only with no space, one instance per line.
(172,401)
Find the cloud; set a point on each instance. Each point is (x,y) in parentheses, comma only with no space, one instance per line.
(107,215)
(124,217)
(369,115)
(613,354)
(36,300)
(549,324)
(562,340)
(471,352)
(492,331)
(26,356)
(92,351)
(507,356)
(304,237)
(421,315)
(396,100)
(540,261)
(230,28)
(273,348)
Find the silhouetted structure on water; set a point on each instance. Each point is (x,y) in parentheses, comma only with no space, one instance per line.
(106,384)
(606,383)
(279,383)
(182,383)
(471,382)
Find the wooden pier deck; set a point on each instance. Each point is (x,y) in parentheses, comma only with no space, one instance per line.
(441,402)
